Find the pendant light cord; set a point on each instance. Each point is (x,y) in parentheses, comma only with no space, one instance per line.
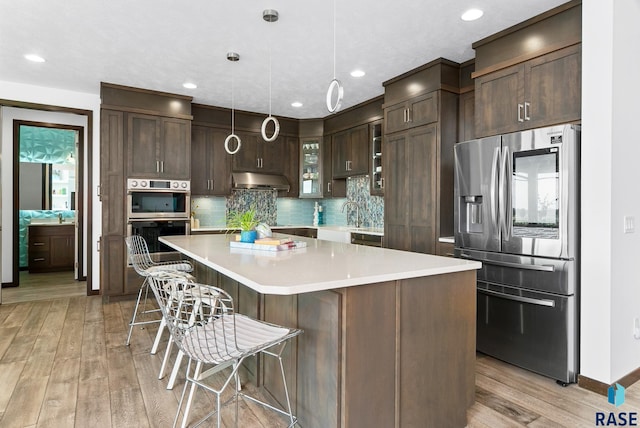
(334,39)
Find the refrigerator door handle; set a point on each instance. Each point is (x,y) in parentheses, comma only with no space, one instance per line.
(541,268)
(505,216)
(539,302)
(495,202)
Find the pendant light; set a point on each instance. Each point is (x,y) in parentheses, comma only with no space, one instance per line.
(270,15)
(335,83)
(233,57)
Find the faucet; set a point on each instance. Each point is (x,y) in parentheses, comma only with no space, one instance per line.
(346,203)
(60,218)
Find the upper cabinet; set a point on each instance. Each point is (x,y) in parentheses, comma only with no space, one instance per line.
(350,152)
(257,155)
(210,163)
(348,138)
(311,177)
(411,113)
(158,147)
(519,85)
(377,177)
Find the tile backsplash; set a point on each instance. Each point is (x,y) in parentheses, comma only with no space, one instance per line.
(212,211)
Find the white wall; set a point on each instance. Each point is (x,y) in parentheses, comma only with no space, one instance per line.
(610,152)
(53,97)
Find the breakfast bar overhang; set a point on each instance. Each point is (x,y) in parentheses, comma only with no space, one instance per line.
(389,336)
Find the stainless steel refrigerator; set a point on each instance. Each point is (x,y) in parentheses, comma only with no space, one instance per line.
(517,211)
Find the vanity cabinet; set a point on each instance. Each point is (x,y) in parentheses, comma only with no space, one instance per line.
(51,248)
(158,147)
(210,163)
(350,149)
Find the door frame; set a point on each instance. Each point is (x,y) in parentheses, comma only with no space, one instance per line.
(79,239)
(88,114)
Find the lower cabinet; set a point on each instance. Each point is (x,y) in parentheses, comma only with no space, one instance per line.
(341,372)
(51,247)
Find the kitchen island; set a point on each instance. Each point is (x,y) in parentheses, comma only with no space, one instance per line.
(389,336)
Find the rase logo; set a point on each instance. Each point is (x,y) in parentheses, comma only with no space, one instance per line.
(615,396)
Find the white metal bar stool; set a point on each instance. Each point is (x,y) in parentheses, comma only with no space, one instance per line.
(141,261)
(212,333)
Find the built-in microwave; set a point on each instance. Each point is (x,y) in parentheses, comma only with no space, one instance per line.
(158,199)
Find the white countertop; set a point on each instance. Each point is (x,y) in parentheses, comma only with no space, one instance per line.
(322,265)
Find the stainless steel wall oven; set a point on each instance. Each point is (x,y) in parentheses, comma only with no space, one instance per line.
(158,199)
(158,208)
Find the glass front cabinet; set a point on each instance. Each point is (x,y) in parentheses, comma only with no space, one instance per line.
(377,180)
(311,168)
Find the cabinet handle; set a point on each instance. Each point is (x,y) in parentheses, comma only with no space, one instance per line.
(39,259)
(328,187)
(382,183)
(409,115)
(36,244)
(520,107)
(527,106)
(162,166)
(404,115)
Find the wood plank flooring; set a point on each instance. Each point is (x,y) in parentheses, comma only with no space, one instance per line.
(63,363)
(40,286)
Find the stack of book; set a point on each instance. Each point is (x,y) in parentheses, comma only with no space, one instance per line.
(269,244)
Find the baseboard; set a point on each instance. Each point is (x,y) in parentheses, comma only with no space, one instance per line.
(602,388)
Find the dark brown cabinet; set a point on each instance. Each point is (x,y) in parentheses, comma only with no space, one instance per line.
(158,146)
(409,114)
(135,143)
(290,165)
(257,155)
(210,163)
(376,185)
(350,152)
(540,92)
(410,206)
(332,188)
(418,161)
(51,247)
(522,85)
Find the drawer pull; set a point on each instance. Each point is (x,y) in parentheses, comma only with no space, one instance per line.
(35,244)
(39,259)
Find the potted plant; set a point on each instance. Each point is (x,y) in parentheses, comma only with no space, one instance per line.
(246,221)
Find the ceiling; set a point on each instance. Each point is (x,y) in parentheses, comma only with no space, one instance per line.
(161,44)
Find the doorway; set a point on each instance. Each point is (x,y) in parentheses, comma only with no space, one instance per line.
(47,203)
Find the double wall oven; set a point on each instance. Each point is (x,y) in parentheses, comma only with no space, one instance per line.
(158,208)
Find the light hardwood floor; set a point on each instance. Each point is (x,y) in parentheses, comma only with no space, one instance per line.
(41,286)
(63,363)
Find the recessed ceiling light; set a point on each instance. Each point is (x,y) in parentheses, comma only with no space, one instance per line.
(296,104)
(472,15)
(357,73)
(189,85)
(34,58)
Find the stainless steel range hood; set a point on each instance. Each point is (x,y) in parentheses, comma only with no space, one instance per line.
(255,180)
